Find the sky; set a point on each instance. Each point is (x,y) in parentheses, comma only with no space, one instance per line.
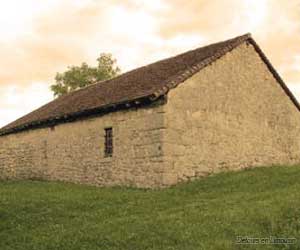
(40,38)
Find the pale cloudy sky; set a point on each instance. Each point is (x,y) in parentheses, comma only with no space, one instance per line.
(40,38)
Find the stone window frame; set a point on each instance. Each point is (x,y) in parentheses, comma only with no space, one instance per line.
(108,142)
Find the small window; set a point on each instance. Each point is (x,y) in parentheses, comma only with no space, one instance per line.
(108,147)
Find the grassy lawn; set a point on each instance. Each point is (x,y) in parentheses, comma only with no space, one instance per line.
(205,214)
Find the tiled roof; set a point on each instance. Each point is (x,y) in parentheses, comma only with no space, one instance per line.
(144,84)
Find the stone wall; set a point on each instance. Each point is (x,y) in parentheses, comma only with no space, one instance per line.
(231,115)
(75,151)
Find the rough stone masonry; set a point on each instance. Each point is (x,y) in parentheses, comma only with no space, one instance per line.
(227,110)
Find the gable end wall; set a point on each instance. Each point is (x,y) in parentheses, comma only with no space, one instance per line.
(231,115)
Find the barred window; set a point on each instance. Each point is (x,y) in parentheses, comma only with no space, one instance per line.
(108,147)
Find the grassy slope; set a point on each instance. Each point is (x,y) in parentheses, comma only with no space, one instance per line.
(205,214)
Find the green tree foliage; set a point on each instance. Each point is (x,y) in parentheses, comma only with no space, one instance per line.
(77,77)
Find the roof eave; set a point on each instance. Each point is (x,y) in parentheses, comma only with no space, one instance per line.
(138,102)
(172,83)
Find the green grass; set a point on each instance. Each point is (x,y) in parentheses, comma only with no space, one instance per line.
(205,214)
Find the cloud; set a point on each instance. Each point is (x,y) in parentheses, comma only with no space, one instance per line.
(17,101)
(139,32)
(40,38)
(295,89)
(274,24)
(59,37)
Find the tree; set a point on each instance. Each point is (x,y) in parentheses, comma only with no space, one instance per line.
(77,77)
